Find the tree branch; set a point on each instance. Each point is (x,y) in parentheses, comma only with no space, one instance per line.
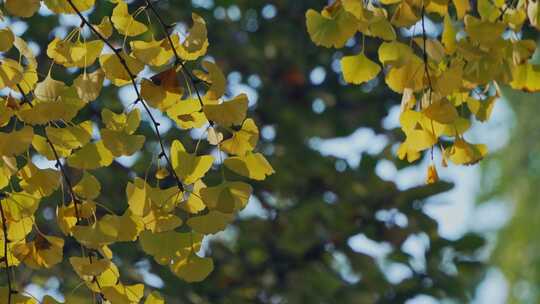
(155,124)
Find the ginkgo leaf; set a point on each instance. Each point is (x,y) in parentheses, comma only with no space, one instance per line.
(464,153)
(449,35)
(89,86)
(151,52)
(187,114)
(121,143)
(43,147)
(163,90)
(87,268)
(43,252)
(226,197)
(244,140)
(229,113)
(193,268)
(63,6)
(67,216)
(7,38)
(332,27)
(39,182)
(70,137)
(49,89)
(92,156)
(394,53)
(154,298)
(251,165)
(124,294)
(194,203)
(124,23)
(358,69)
(170,245)
(210,223)
(88,187)
(442,111)
(116,72)
(481,109)
(187,166)
(196,43)
(215,78)
(105,27)
(16,142)
(43,112)
(11,73)
(22,8)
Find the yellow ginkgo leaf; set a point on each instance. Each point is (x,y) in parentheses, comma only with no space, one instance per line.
(419,140)
(163,90)
(187,114)
(16,142)
(229,113)
(194,203)
(43,252)
(442,111)
(481,109)
(464,153)
(89,86)
(88,268)
(195,44)
(43,112)
(39,182)
(42,147)
(332,27)
(70,137)
(409,75)
(66,216)
(251,165)
(187,166)
(170,245)
(92,156)
(88,187)
(158,220)
(359,69)
(7,38)
(64,7)
(151,52)
(193,268)
(105,27)
(215,78)
(11,73)
(49,89)
(462,7)
(123,294)
(154,298)
(121,143)
(116,72)
(138,201)
(394,53)
(210,223)
(226,197)
(124,23)
(448,38)
(22,8)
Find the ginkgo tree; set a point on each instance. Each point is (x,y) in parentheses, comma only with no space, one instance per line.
(40,115)
(448,78)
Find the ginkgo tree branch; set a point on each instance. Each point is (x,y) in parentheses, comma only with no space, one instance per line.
(58,163)
(178,60)
(65,177)
(117,53)
(5,257)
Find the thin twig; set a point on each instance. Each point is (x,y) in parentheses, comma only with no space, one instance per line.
(165,27)
(117,53)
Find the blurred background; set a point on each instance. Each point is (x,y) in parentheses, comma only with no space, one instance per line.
(343,220)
